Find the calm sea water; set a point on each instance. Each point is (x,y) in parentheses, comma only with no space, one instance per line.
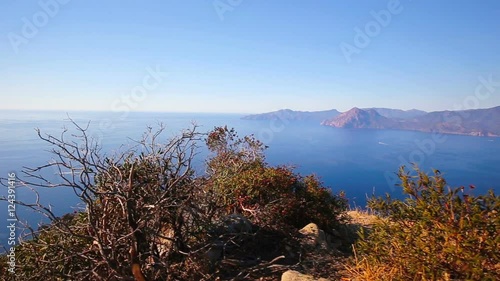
(359,162)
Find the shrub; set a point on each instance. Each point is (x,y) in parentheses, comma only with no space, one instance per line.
(139,214)
(148,215)
(276,197)
(436,233)
(51,244)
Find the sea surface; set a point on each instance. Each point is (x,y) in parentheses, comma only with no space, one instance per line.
(359,162)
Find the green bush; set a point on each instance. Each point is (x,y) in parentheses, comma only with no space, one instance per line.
(436,233)
(275,197)
(48,247)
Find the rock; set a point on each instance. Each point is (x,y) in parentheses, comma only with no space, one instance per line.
(234,227)
(237,223)
(292,275)
(214,253)
(335,232)
(334,241)
(318,239)
(315,237)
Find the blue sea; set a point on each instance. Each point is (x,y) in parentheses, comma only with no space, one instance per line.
(359,162)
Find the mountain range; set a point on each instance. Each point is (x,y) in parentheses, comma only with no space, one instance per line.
(292,115)
(476,122)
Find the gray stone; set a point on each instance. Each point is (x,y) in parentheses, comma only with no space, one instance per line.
(315,237)
(237,223)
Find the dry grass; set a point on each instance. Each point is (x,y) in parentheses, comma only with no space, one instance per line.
(354,269)
(363,218)
(362,270)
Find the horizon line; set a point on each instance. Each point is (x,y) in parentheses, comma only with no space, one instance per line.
(217,112)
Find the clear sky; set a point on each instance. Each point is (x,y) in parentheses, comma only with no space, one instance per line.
(248,56)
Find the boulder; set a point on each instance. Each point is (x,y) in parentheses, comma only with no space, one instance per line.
(292,275)
(234,227)
(317,239)
(237,223)
(215,252)
(314,237)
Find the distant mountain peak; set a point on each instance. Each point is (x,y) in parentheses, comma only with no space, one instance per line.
(359,118)
(477,122)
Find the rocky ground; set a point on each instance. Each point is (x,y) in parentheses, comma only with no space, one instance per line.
(323,256)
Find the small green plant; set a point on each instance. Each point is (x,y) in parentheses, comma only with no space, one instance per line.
(436,233)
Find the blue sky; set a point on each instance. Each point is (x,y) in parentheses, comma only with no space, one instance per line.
(247,56)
